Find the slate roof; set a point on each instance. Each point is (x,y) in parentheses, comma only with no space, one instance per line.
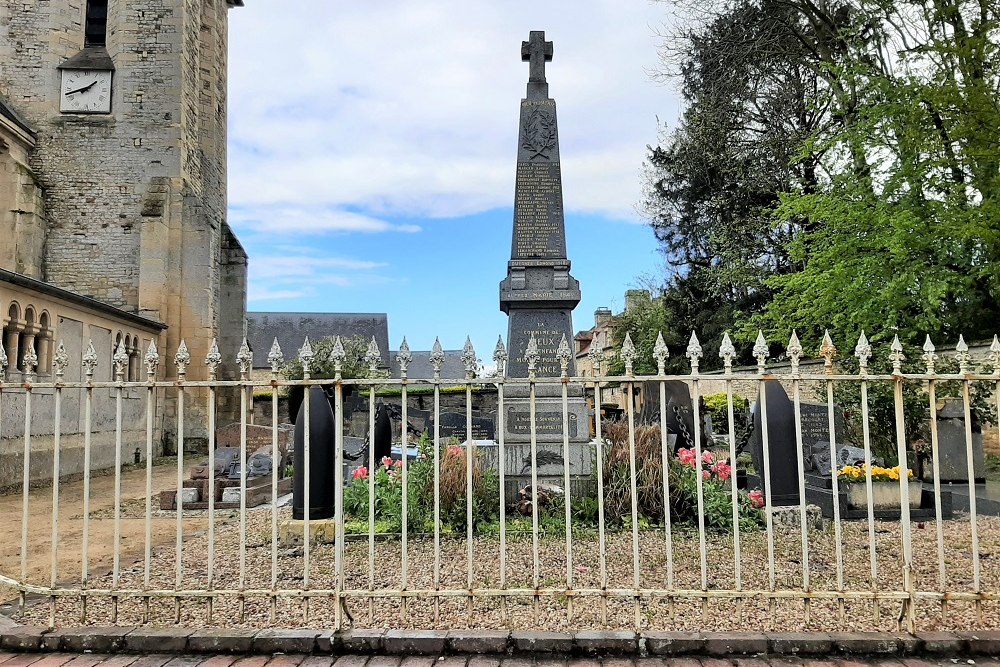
(421,368)
(7,111)
(291,330)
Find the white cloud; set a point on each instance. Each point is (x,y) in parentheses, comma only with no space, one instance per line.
(401,108)
(257,293)
(304,274)
(293,219)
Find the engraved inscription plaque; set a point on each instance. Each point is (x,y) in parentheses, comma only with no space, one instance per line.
(547,422)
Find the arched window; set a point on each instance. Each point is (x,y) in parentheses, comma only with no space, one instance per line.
(27,338)
(11,335)
(43,343)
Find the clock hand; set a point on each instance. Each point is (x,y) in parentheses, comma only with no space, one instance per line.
(85,88)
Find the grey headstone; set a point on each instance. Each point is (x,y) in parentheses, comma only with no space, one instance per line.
(816,423)
(953,447)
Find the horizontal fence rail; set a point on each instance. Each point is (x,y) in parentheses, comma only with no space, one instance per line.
(662,525)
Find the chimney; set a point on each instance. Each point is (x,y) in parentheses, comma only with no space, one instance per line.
(601,315)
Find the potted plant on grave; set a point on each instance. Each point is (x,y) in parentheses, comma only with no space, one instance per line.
(885,487)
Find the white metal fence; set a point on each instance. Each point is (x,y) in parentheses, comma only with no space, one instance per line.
(638,572)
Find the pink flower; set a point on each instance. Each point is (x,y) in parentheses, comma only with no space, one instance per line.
(707,458)
(722,470)
(399,463)
(686,456)
(705,474)
(387,461)
(454,450)
(756,498)
(361,472)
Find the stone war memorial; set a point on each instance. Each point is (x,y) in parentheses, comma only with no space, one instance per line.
(175,483)
(539,294)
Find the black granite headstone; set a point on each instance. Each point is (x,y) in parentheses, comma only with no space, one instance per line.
(383,432)
(322,459)
(680,411)
(783,471)
(816,435)
(453,425)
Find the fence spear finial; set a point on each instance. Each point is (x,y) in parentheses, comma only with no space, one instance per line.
(182,359)
(628,354)
(694,352)
(275,358)
(794,352)
(929,356)
(660,354)
(962,355)
(828,351)
(213,359)
(306,356)
(437,357)
(60,360)
(863,351)
(373,356)
(761,352)
(564,355)
(500,357)
(727,351)
(404,357)
(469,358)
(152,360)
(120,360)
(244,358)
(896,355)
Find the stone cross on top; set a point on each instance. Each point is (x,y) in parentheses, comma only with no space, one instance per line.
(537,52)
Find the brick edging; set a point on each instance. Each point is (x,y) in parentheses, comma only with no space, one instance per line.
(435,642)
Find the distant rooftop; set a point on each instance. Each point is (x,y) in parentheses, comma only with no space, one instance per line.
(291,330)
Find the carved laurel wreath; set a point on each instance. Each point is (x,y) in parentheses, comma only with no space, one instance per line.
(539,134)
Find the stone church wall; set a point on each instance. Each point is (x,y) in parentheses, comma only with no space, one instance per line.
(22,213)
(135,200)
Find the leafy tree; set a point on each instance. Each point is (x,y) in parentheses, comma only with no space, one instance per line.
(836,166)
(354,365)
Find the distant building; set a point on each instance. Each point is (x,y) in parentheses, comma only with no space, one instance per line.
(291,330)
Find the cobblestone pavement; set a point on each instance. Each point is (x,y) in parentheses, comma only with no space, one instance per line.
(281,660)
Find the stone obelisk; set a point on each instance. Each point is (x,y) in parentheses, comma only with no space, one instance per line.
(539,293)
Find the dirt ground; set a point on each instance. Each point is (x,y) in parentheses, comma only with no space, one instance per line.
(102,526)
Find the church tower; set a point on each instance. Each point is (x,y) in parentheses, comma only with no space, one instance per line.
(125,104)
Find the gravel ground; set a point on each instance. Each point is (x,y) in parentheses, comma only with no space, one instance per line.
(558,612)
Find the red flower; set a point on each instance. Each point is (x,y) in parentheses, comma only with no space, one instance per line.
(707,458)
(756,498)
(722,470)
(387,461)
(686,456)
(361,472)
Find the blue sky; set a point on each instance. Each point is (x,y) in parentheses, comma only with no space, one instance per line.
(372,152)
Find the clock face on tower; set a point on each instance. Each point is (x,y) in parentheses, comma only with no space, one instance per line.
(85,91)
